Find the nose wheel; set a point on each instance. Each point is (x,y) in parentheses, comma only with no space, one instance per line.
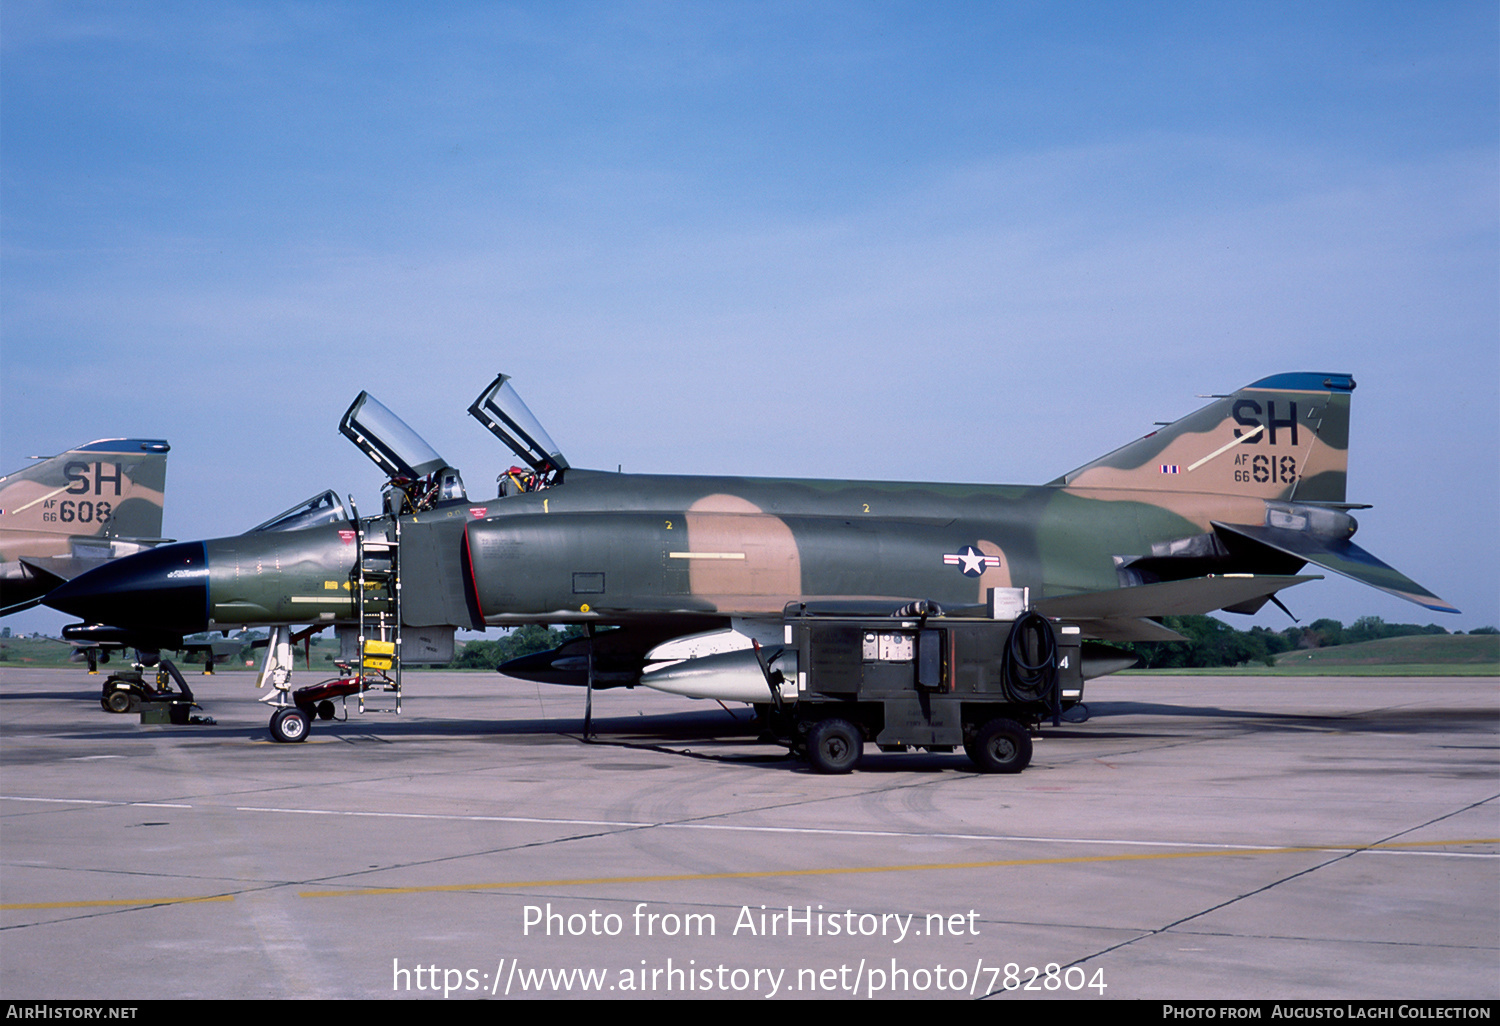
(290,725)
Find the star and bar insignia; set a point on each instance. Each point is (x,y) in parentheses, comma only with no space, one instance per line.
(972,561)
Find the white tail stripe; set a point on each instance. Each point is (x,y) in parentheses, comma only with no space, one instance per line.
(1226,447)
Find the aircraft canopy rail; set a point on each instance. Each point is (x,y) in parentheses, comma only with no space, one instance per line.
(315,512)
(506,417)
(384,437)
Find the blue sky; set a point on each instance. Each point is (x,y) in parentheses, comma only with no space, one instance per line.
(965,241)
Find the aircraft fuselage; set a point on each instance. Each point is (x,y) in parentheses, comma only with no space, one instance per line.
(620,547)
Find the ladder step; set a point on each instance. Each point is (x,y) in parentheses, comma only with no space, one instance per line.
(380,631)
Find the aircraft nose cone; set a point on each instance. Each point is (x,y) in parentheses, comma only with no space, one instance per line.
(164,589)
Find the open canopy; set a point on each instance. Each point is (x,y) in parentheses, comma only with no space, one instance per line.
(501,411)
(384,437)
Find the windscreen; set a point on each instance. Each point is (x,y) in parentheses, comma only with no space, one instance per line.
(319,510)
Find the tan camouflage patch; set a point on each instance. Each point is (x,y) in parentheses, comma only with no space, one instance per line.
(993,576)
(739,557)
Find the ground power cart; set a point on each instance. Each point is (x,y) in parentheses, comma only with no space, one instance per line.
(921,680)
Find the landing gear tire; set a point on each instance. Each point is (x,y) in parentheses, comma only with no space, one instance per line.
(834,746)
(290,725)
(1001,746)
(117,701)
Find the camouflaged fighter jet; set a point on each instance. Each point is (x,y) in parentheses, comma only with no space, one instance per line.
(1218,510)
(74,512)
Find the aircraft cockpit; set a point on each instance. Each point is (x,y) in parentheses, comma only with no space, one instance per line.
(315,512)
(506,417)
(419,479)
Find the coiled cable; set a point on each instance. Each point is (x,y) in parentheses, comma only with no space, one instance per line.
(1031,660)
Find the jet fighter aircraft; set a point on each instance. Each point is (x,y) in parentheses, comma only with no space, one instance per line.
(76,511)
(1218,510)
(94,644)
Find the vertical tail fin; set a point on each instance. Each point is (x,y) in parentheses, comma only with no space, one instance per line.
(67,514)
(106,489)
(1285,437)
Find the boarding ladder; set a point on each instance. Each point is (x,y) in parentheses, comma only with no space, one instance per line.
(377,571)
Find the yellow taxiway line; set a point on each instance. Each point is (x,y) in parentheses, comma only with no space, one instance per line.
(920,867)
(123,902)
(915,867)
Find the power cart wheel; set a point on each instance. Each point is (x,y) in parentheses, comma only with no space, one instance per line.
(1001,746)
(290,725)
(117,701)
(835,746)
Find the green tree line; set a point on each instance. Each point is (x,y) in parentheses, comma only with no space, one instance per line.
(1212,642)
(533,637)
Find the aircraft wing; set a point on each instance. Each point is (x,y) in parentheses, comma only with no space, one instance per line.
(1342,557)
(1123,629)
(1121,614)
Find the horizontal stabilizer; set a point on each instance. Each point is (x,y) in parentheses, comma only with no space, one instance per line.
(1342,557)
(23,584)
(51,571)
(1167,598)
